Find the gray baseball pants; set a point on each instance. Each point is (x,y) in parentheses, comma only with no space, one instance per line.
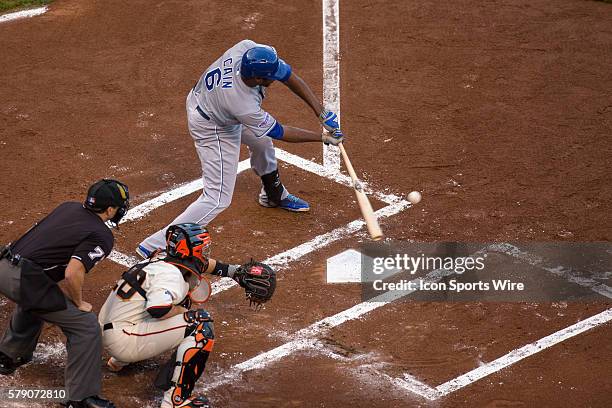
(83,373)
(218,149)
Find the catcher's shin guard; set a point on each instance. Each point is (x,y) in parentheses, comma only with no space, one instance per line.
(191,358)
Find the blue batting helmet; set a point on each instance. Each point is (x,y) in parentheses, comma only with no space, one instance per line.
(263,62)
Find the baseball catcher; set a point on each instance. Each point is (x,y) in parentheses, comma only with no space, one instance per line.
(147,313)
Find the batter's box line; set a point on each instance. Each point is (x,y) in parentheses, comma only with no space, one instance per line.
(395,205)
(560,271)
(414,386)
(284,258)
(307,339)
(183,190)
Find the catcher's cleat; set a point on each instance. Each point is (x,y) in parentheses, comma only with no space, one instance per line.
(289,203)
(191,402)
(91,402)
(114,365)
(8,366)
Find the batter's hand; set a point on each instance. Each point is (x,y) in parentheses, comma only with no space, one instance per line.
(329,120)
(85,306)
(333,138)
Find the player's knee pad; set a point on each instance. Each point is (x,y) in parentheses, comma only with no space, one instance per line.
(205,334)
(201,328)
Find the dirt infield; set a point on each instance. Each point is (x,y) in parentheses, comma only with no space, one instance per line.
(499,112)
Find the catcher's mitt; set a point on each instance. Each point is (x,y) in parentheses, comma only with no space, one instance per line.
(258,281)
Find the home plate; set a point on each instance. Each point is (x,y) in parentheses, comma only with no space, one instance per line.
(352,266)
(344,267)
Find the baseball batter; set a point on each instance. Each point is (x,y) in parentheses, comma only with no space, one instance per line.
(147,313)
(223,111)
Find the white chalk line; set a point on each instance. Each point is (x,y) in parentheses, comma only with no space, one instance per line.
(123,259)
(524,352)
(23,14)
(282,259)
(185,189)
(331,74)
(560,271)
(338,177)
(260,361)
(396,205)
(306,338)
(176,193)
(413,385)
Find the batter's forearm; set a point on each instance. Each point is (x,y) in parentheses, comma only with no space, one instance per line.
(299,87)
(297,135)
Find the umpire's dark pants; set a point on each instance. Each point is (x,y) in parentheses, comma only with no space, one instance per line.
(84,340)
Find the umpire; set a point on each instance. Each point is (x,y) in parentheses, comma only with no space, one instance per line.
(64,245)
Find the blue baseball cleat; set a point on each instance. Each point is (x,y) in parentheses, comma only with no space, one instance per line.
(289,203)
(293,203)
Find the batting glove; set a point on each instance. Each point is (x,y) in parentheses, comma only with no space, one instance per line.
(329,120)
(333,138)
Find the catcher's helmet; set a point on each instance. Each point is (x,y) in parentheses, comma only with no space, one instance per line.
(108,193)
(263,62)
(188,240)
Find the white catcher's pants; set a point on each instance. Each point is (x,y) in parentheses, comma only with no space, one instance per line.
(219,151)
(131,343)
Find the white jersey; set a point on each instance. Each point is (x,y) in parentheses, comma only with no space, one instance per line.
(164,286)
(224,97)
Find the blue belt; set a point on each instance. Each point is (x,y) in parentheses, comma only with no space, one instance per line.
(201,112)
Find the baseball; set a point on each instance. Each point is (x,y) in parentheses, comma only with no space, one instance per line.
(414,197)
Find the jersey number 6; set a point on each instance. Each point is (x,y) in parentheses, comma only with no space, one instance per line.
(212,79)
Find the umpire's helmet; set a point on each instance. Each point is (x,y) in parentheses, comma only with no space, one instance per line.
(263,62)
(188,240)
(108,193)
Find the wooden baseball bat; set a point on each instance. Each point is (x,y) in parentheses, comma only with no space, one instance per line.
(364,203)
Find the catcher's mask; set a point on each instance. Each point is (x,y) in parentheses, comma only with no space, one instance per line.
(108,193)
(189,241)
